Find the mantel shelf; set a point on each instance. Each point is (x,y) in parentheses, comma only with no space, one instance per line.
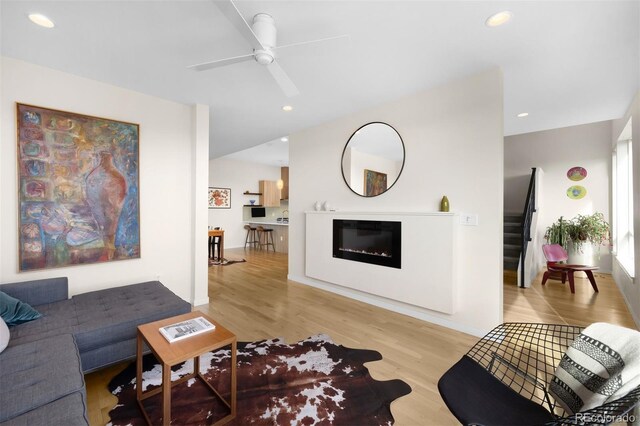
(347,212)
(252,205)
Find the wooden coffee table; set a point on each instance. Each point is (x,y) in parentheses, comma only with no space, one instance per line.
(170,354)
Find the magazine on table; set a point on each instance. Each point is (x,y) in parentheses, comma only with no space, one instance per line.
(182,330)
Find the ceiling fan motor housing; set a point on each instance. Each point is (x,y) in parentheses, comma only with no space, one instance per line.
(264,28)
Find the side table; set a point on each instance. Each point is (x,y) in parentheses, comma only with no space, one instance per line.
(170,354)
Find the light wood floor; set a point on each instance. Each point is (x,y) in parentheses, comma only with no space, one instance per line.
(256,301)
(554,303)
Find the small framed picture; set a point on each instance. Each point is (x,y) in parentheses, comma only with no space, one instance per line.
(219,198)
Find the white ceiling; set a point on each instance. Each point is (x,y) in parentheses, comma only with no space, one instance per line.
(564,62)
(272,153)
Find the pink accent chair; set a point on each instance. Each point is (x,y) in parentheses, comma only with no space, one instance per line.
(555,253)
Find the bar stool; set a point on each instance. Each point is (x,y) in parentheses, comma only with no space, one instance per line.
(267,235)
(213,242)
(252,237)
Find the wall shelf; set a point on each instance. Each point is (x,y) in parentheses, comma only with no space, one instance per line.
(251,193)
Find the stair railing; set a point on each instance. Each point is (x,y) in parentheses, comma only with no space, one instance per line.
(527,216)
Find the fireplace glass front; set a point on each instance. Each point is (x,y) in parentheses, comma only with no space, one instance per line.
(368,241)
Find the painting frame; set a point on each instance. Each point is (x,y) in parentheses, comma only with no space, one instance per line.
(219,198)
(375,183)
(78,188)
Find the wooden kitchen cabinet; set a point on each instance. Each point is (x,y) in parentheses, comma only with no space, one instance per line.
(284,175)
(281,238)
(270,193)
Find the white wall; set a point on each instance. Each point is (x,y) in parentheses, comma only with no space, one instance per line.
(199,181)
(453,137)
(166,178)
(629,286)
(1,139)
(240,176)
(556,151)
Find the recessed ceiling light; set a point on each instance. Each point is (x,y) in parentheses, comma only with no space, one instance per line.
(498,19)
(40,19)
(287,108)
(523,114)
(284,139)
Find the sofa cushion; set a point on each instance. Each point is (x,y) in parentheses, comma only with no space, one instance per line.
(38,373)
(69,411)
(112,315)
(38,292)
(15,312)
(57,318)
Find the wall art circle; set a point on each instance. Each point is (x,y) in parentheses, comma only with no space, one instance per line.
(577,173)
(576,192)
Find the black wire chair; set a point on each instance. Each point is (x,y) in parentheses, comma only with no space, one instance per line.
(504,379)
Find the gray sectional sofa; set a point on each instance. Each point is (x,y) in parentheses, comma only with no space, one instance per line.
(41,370)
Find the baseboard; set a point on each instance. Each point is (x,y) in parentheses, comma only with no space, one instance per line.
(391,305)
(200,302)
(634,315)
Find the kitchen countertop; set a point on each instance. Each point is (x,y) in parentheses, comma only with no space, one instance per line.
(256,222)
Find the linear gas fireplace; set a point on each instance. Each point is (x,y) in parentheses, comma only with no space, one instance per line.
(368,241)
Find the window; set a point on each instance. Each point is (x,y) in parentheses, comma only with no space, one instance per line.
(622,236)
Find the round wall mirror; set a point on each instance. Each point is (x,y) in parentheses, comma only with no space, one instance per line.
(373,159)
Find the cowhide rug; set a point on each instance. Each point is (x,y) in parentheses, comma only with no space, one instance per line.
(312,382)
(225,262)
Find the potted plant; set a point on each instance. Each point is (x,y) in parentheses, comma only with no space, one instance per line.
(578,234)
(558,232)
(592,228)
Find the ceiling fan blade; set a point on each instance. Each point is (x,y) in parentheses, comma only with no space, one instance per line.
(283,80)
(229,9)
(221,63)
(328,42)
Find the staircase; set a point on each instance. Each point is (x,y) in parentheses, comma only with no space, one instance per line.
(512,240)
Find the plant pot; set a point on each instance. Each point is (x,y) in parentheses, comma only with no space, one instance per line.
(586,256)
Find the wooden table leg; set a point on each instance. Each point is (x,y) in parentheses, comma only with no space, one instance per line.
(221,247)
(233,378)
(571,281)
(592,280)
(166,394)
(139,366)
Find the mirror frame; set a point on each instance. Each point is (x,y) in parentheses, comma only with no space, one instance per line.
(404,159)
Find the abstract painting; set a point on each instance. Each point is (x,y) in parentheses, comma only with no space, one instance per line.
(576,192)
(78,189)
(577,173)
(375,183)
(219,198)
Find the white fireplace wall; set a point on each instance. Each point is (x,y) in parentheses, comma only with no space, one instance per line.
(453,137)
(426,238)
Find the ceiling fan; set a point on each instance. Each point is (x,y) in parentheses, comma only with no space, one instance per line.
(262,38)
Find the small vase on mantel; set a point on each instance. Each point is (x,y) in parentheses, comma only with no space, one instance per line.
(444,204)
